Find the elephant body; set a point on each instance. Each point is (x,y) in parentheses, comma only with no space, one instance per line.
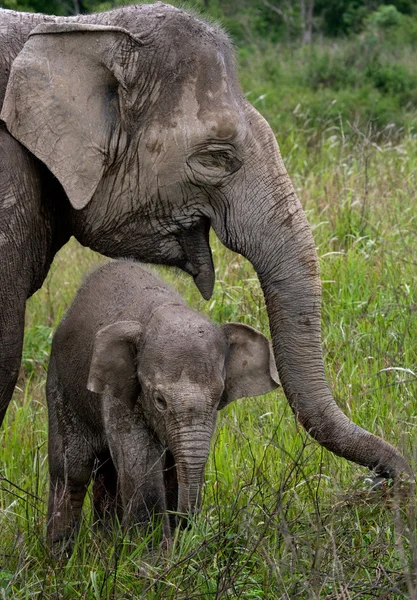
(135,381)
(128,130)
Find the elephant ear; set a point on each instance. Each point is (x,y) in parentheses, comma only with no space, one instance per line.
(64,101)
(113,363)
(250,365)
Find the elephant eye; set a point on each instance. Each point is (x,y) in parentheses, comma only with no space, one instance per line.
(160,402)
(219,160)
(214,164)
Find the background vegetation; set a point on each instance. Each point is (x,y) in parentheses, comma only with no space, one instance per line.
(281,517)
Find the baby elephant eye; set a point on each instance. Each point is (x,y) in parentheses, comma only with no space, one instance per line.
(160,402)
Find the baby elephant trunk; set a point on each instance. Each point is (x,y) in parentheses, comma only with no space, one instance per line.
(190,489)
(191,458)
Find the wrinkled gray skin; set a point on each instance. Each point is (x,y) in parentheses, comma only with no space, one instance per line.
(128,130)
(157,373)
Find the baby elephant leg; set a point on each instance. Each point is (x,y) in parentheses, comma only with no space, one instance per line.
(106,497)
(69,478)
(139,462)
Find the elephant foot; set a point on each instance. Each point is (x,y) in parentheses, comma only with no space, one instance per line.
(165,544)
(61,547)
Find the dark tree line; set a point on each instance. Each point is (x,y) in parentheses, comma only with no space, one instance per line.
(248,19)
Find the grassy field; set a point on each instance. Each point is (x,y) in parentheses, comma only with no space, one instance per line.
(281,517)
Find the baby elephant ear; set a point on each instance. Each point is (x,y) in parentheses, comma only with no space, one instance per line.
(250,366)
(113,363)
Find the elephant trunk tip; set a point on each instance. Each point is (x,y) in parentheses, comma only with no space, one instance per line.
(204,281)
(397,468)
(185,518)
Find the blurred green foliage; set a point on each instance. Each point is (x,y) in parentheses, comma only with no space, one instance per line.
(36,349)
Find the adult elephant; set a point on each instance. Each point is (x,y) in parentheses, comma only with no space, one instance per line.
(128,130)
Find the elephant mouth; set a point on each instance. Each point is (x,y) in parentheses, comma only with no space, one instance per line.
(198,260)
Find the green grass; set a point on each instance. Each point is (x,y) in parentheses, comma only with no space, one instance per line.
(281,518)
(367,80)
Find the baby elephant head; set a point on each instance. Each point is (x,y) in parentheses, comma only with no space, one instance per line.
(182,369)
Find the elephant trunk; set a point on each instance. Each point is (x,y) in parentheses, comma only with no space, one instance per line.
(190,456)
(273,233)
(293,299)
(190,485)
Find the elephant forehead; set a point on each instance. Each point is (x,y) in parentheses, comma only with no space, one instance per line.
(214,101)
(188,393)
(223,124)
(194,78)
(180,348)
(193,124)
(187,355)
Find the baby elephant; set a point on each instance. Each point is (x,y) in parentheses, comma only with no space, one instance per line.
(135,381)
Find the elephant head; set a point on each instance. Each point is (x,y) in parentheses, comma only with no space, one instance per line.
(138,114)
(177,372)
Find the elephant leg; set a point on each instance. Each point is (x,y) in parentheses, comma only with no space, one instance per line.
(28,242)
(171,487)
(141,484)
(139,463)
(12,322)
(64,512)
(15,182)
(70,474)
(106,498)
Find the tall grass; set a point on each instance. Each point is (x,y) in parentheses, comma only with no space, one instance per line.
(282,517)
(368,80)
